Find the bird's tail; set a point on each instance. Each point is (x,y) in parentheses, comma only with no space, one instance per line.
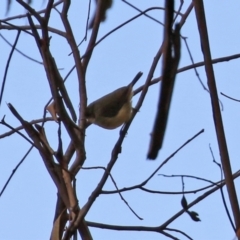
(137,77)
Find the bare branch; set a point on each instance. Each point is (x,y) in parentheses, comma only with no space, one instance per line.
(202,26)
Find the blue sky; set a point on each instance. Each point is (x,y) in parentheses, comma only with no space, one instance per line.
(28,204)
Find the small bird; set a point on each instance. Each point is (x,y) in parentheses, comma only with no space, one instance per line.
(113,109)
(106,4)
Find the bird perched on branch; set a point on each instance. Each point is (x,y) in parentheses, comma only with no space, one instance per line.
(113,109)
(105,5)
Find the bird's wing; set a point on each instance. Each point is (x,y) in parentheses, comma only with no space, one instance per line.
(113,107)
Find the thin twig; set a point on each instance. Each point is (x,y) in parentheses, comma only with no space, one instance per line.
(178,231)
(183,69)
(31,10)
(145,14)
(25,15)
(14,170)
(15,131)
(7,65)
(14,27)
(179,10)
(234,99)
(115,184)
(17,50)
(195,69)
(221,190)
(9,133)
(27,27)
